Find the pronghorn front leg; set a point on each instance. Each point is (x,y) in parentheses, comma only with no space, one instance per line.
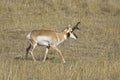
(60,53)
(47,48)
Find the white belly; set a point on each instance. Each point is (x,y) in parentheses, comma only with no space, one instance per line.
(43,40)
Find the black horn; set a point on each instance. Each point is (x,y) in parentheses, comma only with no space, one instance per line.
(76,26)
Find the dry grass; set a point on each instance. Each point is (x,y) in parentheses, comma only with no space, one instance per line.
(94,56)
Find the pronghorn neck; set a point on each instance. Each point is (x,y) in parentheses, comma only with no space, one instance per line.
(62,36)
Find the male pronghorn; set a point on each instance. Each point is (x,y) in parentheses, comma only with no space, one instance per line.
(49,39)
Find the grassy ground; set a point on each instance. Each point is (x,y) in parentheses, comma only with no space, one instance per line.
(93,56)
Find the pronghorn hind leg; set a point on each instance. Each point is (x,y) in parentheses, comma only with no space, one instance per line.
(31,51)
(60,53)
(27,51)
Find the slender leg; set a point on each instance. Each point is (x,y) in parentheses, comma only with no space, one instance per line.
(54,47)
(27,51)
(47,48)
(31,51)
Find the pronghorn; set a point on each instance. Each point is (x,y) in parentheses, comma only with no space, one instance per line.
(49,39)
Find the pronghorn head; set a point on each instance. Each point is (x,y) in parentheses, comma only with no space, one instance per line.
(70,33)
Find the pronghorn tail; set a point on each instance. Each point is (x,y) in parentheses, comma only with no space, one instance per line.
(28,36)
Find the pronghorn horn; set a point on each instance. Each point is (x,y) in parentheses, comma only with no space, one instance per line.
(76,26)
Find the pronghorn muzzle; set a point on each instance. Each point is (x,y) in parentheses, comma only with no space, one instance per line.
(75,35)
(72,35)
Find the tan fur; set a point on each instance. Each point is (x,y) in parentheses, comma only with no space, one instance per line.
(55,36)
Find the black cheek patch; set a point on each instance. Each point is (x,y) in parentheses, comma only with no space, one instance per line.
(68,34)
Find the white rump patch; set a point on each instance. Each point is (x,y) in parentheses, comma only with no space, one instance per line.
(28,36)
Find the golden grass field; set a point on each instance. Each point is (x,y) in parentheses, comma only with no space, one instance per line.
(95,55)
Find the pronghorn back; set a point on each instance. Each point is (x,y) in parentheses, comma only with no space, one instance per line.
(36,33)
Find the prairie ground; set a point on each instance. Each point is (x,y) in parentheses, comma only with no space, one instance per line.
(95,55)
